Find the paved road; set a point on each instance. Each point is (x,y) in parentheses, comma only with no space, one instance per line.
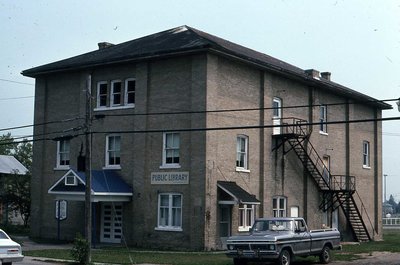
(35,261)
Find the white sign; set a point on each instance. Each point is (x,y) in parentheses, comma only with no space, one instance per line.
(63,210)
(176,178)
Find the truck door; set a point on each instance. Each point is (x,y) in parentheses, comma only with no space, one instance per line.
(302,238)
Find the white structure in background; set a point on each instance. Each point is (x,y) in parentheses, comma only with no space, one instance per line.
(10,165)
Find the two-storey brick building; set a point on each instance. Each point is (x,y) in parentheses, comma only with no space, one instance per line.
(193,137)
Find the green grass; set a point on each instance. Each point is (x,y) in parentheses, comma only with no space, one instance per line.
(118,255)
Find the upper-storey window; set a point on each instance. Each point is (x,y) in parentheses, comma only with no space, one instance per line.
(323,119)
(242,148)
(130,91)
(63,149)
(171,146)
(102,94)
(116,93)
(113,151)
(366,156)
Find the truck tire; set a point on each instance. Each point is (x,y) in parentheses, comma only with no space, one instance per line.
(285,258)
(325,256)
(237,261)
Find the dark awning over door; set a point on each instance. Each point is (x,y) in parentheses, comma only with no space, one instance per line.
(237,193)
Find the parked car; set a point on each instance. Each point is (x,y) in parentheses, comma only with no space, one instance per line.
(10,251)
(280,240)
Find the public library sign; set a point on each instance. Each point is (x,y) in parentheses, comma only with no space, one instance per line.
(176,178)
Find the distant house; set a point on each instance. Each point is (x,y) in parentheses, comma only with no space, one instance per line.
(9,165)
(194,137)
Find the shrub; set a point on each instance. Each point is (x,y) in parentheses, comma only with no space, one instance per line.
(80,249)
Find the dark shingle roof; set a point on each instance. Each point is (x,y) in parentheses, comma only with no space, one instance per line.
(182,40)
(237,192)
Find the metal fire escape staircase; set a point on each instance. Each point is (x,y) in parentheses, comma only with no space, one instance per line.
(337,190)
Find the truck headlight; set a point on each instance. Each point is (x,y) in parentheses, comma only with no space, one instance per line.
(271,247)
(230,247)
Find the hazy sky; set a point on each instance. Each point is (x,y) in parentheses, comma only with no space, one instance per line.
(358,41)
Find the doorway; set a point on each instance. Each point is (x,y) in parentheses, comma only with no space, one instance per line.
(277,116)
(111,223)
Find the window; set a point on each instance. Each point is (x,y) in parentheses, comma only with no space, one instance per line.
(70,180)
(116,93)
(242,144)
(246,217)
(102,94)
(366,159)
(279,206)
(121,94)
(171,149)
(169,211)
(113,156)
(130,89)
(323,119)
(63,159)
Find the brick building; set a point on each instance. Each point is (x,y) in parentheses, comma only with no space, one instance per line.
(193,137)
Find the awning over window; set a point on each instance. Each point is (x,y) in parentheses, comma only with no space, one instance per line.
(107,185)
(238,194)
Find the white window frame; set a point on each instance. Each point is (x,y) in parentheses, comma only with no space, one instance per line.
(74,181)
(100,95)
(366,155)
(113,93)
(242,153)
(108,151)
(279,210)
(173,148)
(246,216)
(126,96)
(323,117)
(60,152)
(170,212)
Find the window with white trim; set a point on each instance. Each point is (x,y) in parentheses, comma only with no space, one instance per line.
(169,211)
(366,154)
(70,180)
(171,151)
(246,216)
(113,151)
(323,119)
(63,153)
(279,206)
(130,90)
(242,148)
(102,94)
(116,93)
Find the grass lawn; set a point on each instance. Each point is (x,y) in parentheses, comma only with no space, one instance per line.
(118,255)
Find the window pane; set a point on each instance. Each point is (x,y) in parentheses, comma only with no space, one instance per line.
(176,200)
(164,200)
(131,87)
(274,203)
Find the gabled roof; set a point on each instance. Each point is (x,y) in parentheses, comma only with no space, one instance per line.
(186,40)
(237,193)
(104,183)
(10,165)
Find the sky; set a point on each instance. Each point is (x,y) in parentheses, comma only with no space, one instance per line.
(358,41)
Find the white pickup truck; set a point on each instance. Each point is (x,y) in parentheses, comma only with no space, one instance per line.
(280,240)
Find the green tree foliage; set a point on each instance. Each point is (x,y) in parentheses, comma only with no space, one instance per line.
(15,189)
(394,204)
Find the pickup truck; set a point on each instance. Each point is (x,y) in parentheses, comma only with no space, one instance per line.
(280,240)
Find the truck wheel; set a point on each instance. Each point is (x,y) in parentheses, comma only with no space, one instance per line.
(325,256)
(237,261)
(284,258)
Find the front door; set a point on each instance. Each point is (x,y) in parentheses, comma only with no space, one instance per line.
(277,115)
(111,223)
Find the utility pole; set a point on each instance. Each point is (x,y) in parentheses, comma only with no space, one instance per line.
(88,168)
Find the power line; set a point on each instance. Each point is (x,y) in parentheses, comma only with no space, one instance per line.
(17,98)
(16,82)
(41,124)
(239,110)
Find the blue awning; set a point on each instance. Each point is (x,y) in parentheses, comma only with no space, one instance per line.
(106,185)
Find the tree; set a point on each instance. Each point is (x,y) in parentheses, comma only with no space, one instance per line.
(16,188)
(392,202)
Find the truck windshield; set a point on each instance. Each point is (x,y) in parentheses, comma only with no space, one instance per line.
(272,225)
